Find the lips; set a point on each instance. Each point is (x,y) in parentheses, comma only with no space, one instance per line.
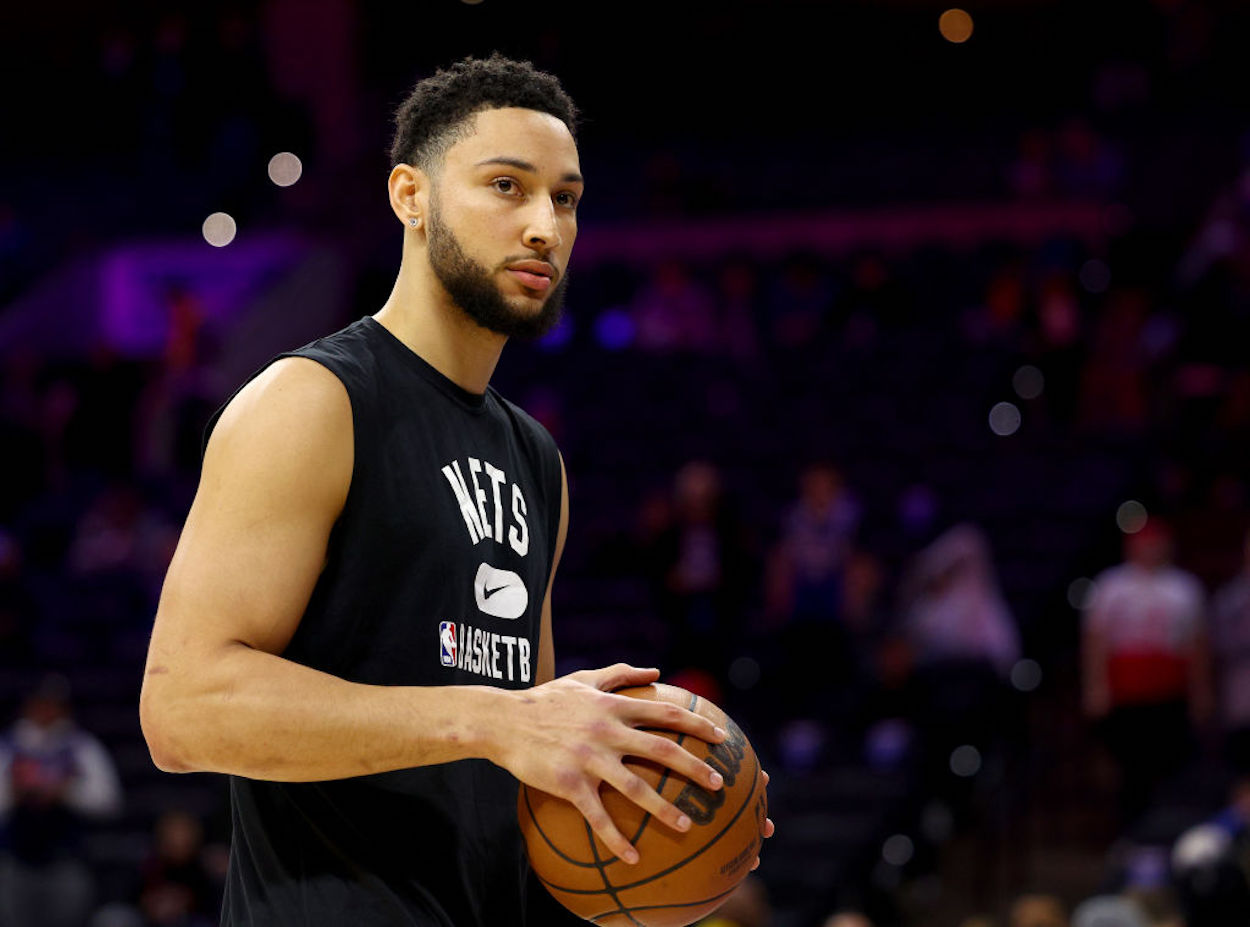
(533,275)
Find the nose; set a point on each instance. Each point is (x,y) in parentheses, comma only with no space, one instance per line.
(542,231)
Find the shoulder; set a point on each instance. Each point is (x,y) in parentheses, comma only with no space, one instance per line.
(291,423)
(291,391)
(1187,583)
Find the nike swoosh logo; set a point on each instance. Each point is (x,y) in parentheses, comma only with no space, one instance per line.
(500,593)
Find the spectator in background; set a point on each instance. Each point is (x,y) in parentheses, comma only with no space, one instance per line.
(55,778)
(806,583)
(1230,640)
(847,919)
(701,575)
(1108,911)
(1146,675)
(963,642)
(674,312)
(747,906)
(954,612)
(1037,911)
(182,877)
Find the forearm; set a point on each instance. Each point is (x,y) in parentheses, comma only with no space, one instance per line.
(251,713)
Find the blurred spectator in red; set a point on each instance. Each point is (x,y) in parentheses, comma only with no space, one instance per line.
(1146,675)
(54,779)
(1037,911)
(1230,646)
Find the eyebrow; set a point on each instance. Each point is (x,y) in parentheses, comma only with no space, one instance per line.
(520,165)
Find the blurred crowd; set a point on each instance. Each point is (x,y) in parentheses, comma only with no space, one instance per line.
(870,498)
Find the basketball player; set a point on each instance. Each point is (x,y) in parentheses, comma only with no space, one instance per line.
(356,625)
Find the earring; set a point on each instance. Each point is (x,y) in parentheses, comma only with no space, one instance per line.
(414,221)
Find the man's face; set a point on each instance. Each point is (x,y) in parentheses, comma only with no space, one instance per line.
(502,220)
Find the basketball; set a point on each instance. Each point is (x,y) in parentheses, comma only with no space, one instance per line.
(679,878)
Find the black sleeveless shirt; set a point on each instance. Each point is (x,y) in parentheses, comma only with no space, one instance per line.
(436,572)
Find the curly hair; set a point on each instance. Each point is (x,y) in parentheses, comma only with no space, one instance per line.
(436,112)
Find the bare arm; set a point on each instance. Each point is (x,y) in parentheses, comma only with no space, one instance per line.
(217,697)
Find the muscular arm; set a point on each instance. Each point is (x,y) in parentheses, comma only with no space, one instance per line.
(218,697)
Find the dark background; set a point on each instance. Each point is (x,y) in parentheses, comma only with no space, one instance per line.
(904,211)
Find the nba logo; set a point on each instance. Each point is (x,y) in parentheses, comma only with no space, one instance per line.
(447,643)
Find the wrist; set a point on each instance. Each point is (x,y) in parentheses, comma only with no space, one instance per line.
(485,729)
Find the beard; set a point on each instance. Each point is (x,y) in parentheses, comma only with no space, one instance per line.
(470,286)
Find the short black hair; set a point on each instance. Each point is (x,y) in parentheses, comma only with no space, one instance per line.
(426,123)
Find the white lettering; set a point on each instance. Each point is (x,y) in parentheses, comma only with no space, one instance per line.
(494,656)
(497,478)
(520,540)
(458,486)
(509,641)
(524,646)
(475,467)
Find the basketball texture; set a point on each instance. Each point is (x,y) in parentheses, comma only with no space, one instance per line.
(679,878)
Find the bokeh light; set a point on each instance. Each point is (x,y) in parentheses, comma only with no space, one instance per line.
(1026,675)
(219,229)
(1028,382)
(1004,419)
(1079,592)
(285,168)
(744,672)
(966,761)
(1131,516)
(955,26)
(898,850)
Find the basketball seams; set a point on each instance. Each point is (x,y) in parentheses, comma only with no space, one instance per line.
(672,904)
(555,849)
(607,883)
(659,786)
(680,863)
(650,891)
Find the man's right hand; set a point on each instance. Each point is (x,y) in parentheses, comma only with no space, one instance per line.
(571,734)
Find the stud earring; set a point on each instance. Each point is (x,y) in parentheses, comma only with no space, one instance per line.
(413,221)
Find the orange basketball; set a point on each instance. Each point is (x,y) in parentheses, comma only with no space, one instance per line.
(679,878)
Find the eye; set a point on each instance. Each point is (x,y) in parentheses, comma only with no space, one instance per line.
(566,199)
(506,185)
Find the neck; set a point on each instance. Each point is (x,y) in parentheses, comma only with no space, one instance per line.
(421,315)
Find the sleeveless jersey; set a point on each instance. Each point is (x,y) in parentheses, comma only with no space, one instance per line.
(436,572)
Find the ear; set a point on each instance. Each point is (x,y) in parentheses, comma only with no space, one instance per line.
(409,192)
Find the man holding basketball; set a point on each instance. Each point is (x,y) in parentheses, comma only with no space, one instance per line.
(356,625)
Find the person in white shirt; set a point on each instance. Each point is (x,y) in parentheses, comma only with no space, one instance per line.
(1145,665)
